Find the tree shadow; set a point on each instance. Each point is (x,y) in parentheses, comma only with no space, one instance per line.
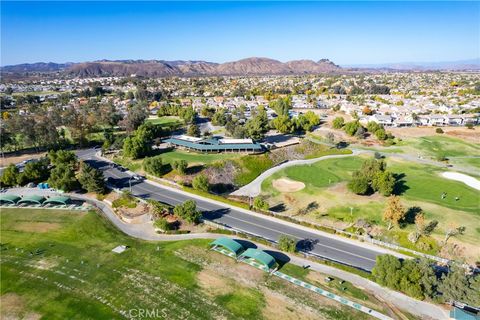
(215,214)
(400,186)
(306,245)
(222,188)
(279,207)
(194,169)
(410,215)
(341,145)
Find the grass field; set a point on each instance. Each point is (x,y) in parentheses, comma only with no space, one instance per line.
(59,265)
(165,121)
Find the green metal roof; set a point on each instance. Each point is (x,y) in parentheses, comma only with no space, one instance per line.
(460,314)
(32,198)
(58,199)
(12,198)
(228,244)
(260,256)
(213,145)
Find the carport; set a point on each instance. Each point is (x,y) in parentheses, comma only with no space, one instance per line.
(9,198)
(228,244)
(62,200)
(32,199)
(263,258)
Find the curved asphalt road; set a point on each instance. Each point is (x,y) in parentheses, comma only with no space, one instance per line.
(344,251)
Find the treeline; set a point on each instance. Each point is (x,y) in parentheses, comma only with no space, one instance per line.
(355,128)
(420,279)
(61,169)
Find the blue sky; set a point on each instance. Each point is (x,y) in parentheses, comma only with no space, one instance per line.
(345,32)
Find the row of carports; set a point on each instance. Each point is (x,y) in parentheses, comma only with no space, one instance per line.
(33,199)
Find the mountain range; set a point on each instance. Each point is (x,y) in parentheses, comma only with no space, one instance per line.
(249,66)
(162,68)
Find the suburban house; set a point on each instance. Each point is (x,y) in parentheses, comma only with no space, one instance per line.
(214,145)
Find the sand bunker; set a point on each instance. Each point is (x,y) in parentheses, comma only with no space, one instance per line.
(287,185)
(468,180)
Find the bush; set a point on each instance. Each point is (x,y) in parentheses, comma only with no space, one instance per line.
(188,211)
(259,203)
(287,244)
(200,182)
(180,165)
(338,123)
(351,128)
(154,165)
(162,224)
(439,130)
(359,185)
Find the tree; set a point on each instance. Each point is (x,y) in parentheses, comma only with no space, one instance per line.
(419,227)
(338,123)
(10,176)
(386,271)
(35,171)
(453,230)
(381,134)
(91,179)
(287,244)
(281,106)
(136,116)
(193,130)
(63,157)
(384,182)
(188,211)
(394,212)
(181,166)
(372,126)
(359,185)
(219,118)
(456,285)
(367,111)
(351,128)
(63,177)
(138,144)
(259,203)
(255,128)
(200,182)
(283,124)
(154,165)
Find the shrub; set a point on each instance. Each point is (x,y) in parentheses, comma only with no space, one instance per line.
(154,165)
(180,165)
(359,185)
(338,123)
(200,182)
(162,224)
(287,244)
(351,128)
(188,211)
(439,130)
(259,203)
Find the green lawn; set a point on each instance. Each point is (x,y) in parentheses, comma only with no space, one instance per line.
(444,145)
(59,265)
(320,174)
(165,121)
(424,183)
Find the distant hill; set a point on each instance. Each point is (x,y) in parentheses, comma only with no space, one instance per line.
(161,68)
(471,64)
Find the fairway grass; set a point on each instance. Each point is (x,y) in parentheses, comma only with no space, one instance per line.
(70,272)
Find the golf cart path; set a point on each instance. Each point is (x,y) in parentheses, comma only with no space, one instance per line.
(254,188)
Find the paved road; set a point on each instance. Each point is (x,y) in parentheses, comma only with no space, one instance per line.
(346,251)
